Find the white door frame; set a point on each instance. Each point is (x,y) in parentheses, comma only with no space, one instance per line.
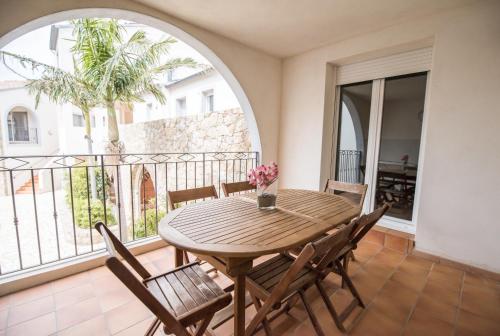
(373,150)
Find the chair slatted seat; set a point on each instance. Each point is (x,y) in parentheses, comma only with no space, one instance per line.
(268,274)
(180,298)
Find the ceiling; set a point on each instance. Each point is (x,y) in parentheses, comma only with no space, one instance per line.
(288,27)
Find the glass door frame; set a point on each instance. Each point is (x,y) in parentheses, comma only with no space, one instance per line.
(373,150)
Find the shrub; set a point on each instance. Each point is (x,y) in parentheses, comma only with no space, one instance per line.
(151,223)
(96,214)
(81,189)
(81,185)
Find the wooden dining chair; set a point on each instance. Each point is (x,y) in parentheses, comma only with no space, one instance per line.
(180,196)
(355,193)
(362,226)
(282,278)
(231,188)
(181,298)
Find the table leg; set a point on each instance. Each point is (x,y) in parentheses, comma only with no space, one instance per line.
(239,305)
(178,257)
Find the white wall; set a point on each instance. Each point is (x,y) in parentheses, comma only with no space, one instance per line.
(42,118)
(460,188)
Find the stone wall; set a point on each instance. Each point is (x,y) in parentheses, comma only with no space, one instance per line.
(213,132)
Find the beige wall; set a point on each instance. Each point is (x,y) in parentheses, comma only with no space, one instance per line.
(460,193)
(258,73)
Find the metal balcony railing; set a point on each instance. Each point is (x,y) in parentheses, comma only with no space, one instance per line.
(349,166)
(23,135)
(49,215)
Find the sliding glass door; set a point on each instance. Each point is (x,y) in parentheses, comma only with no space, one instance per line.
(378,140)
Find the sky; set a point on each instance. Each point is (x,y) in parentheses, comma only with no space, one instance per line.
(35,44)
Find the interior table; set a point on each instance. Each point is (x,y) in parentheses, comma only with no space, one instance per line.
(231,232)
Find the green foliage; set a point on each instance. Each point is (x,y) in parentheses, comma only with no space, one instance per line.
(151,223)
(81,186)
(96,215)
(81,190)
(122,70)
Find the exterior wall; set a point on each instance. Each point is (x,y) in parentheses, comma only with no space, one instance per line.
(460,186)
(192,90)
(43,119)
(258,74)
(214,132)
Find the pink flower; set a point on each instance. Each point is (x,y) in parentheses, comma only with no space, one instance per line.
(263,176)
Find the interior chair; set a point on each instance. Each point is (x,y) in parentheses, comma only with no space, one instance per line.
(175,198)
(236,187)
(184,300)
(275,284)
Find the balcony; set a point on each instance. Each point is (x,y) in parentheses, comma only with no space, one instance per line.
(50,206)
(22,135)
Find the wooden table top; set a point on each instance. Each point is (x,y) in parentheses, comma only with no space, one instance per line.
(235,227)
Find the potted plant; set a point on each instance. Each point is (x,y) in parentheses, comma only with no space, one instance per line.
(264,178)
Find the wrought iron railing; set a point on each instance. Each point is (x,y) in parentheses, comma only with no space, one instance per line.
(349,166)
(22,135)
(49,215)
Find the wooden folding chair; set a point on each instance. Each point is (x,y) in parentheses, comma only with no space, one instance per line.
(187,195)
(282,278)
(231,188)
(355,193)
(362,225)
(182,298)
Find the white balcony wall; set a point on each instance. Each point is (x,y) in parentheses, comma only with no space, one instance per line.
(460,186)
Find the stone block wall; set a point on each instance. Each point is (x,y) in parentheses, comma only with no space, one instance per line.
(214,132)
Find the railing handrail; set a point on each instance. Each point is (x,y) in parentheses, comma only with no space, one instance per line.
(121,154)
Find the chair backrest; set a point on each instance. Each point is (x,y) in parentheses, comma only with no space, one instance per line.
(354,192)
(231,188)
(365,223)
(193,194)
(115,249)
(328,248)
(334,242)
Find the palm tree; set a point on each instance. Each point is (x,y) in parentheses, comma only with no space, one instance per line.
(123,71)
(61,87)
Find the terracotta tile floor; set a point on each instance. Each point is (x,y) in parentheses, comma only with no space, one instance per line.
(405,295)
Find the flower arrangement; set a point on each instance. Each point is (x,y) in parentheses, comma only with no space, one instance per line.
(263,176)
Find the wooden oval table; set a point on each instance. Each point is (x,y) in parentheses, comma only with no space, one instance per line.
(231,232)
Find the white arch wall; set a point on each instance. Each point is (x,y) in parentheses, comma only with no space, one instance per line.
(254,76)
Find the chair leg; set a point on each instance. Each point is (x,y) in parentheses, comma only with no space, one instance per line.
(311,315)
(349,283)
(345,260)
(202,327)
(265,322)
(330,307)
(186,257)
(352,255)
(153,327)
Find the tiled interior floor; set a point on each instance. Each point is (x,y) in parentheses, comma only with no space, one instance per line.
(405,295)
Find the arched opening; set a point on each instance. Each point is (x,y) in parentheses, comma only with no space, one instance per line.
(147,191)
(131,196)
(171,29)
(21,126)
